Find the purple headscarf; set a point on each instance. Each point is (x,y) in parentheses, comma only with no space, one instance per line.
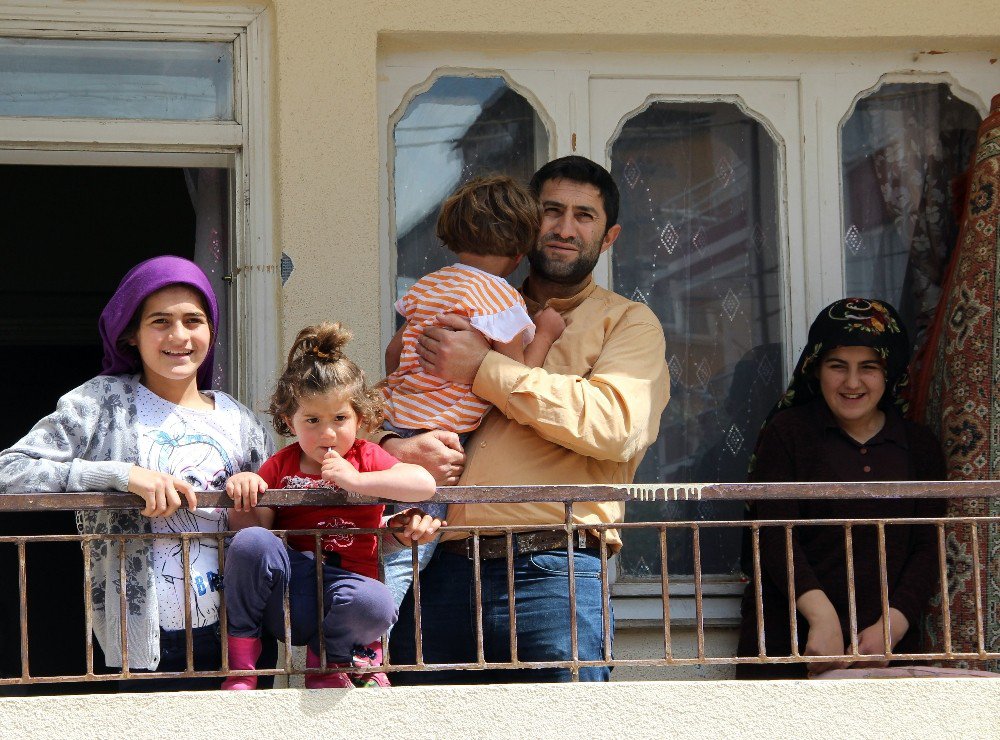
(142,281)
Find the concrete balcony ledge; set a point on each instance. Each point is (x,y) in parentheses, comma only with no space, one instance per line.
(676,709)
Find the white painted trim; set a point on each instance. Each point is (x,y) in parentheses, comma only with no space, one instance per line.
(257,281)
(115,16)
(122,134)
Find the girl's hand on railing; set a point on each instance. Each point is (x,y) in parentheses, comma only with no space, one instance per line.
(161,492)
(418,526)
(871,640)
(243,489)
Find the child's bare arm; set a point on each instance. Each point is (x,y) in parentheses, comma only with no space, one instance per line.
(401,482)
(393,351)
(549,326)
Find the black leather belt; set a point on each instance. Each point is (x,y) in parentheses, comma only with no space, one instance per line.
(524,543)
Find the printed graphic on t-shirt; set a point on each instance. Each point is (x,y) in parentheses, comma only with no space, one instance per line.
(199,448)
(330,542)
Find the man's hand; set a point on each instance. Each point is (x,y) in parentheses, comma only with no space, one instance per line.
(338,471)
(243,489)
(418,526)
(452,351)
(161,491)
(437,451)
(871,641)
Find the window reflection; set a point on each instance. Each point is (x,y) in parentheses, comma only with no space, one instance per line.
(460,128)
(902,148)
(153,80)
(700,246)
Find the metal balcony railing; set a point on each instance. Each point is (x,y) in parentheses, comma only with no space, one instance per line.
(567,496)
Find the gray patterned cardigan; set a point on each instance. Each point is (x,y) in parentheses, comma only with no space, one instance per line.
(89,443)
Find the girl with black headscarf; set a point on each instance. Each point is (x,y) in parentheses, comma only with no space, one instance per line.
(841,420)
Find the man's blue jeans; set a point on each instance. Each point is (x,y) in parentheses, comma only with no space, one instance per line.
(541,597)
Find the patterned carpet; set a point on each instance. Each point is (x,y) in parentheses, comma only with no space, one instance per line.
(960,400)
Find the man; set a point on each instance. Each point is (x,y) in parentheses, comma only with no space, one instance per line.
(587,416)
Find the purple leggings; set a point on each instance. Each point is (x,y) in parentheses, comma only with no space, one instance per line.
(357,610)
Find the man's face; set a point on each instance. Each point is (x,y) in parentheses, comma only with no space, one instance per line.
(574,232)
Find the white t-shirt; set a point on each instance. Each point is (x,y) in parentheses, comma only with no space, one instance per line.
(204,449)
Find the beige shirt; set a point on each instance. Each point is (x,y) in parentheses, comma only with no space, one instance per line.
(586,416)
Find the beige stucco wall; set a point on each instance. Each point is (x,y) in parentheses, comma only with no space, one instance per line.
(913,708)
(326,131)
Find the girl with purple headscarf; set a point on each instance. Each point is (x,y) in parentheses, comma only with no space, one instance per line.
(150,424)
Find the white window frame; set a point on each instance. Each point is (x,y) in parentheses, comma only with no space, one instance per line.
(829,87)
(240,145)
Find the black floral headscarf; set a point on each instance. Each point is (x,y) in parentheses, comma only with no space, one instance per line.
(850,322)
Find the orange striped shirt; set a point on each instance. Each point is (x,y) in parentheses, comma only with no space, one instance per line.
(415,399)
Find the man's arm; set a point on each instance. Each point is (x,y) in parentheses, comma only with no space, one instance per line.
(611,414)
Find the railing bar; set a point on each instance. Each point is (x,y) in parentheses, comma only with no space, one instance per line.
(664,593)
(477,584)
(320,598)
(758,596)
(380,553)
(977,585)
(792,610)
(88,609)
(22,589)
(852,600)
(88,500)
(287,614)
(511,596)
(571,583)
(699,606)
(945,600)
(518,528)
(418,637)
(123,608)
(884,592)
(605,596)
(220,542)
(188,633)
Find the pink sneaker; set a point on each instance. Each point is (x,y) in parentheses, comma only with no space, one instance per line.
(332,680)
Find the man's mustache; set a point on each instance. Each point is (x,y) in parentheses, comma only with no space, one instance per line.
(552,237)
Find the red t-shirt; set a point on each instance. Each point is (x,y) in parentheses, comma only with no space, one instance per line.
(358,553)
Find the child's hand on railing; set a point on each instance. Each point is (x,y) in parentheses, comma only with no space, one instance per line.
(161,491)
(243,489)
(418,526)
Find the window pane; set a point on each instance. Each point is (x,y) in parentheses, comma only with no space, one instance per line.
(901,148)
(700,246)
(460,128)
(156,80)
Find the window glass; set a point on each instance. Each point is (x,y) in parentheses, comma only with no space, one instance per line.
(155,80)
(700,245)
(902,148)
(460,128)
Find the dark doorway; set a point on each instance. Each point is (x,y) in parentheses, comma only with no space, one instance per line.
(70,234)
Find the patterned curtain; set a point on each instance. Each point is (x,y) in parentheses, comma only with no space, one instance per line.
(957,397)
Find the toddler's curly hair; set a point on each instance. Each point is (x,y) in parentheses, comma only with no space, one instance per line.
(317,365)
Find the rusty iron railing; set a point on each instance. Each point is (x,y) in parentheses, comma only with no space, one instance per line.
(567,496)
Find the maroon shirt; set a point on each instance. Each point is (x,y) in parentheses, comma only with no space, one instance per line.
(806,444)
